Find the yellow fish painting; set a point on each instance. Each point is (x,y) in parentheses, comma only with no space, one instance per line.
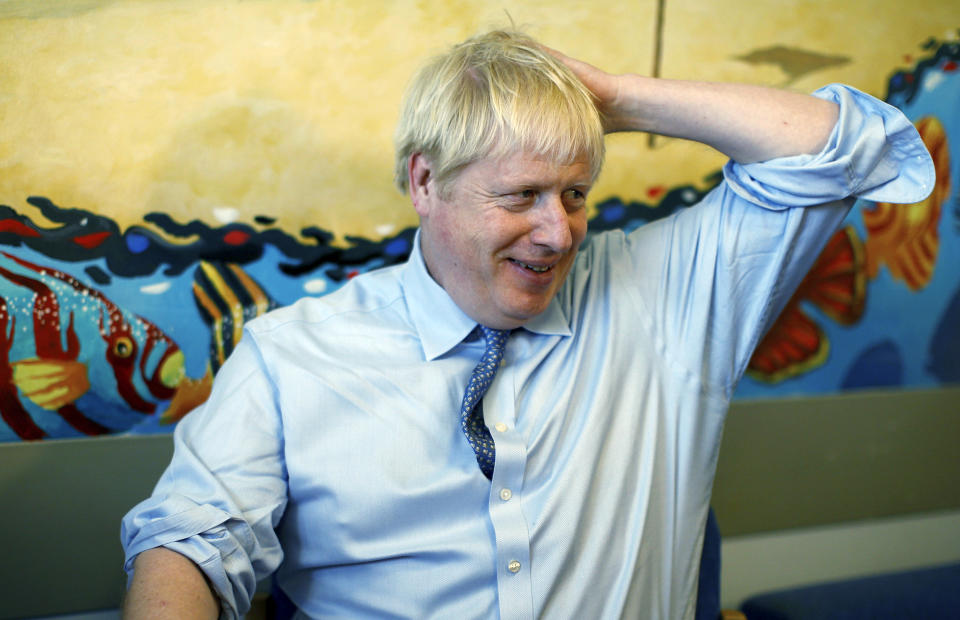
(905,237)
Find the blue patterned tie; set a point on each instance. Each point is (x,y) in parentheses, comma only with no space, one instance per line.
(471,415)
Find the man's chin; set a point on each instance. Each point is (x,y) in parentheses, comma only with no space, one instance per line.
(522,312)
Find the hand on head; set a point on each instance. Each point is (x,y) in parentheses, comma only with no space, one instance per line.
(606,87)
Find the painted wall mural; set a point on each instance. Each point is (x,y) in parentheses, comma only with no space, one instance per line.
(163,181)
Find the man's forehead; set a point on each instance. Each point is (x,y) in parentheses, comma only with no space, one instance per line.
(536,168)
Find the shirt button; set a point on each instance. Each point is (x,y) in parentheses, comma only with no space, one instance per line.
(501,427)
(503,362)
(514,567)
(506,494)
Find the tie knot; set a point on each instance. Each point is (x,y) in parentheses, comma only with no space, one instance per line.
(495,338)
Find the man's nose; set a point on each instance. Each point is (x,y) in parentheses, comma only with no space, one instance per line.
(552,225)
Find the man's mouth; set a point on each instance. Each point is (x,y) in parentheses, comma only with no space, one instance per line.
(534,268)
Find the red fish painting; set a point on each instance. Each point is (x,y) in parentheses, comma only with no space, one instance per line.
(905,237)
(74,363)
(836,284)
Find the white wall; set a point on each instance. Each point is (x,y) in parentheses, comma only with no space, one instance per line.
(761,562)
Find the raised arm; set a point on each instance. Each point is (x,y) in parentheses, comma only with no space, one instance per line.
(167,585)
(746,123)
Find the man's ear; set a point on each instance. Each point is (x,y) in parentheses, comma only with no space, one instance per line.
(420,175)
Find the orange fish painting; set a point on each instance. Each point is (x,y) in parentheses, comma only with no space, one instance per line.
(836,284)
(904,237)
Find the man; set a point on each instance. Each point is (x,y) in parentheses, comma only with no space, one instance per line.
(346,438)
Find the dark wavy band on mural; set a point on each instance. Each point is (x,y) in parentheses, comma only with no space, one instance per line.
(904,83)
(81,235)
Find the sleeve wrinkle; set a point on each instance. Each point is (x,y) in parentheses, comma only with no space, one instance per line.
(218,500)
(264,368)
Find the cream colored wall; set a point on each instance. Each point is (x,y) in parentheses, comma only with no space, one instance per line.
(223,110)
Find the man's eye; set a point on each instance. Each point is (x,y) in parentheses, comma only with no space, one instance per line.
(574,198)
(520,199)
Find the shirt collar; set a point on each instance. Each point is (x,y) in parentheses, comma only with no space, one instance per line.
(426,301)
(552,321)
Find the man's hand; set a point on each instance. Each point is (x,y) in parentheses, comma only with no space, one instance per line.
(747,123)
(604,86)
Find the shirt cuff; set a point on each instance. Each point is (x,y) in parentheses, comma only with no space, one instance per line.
(874,152)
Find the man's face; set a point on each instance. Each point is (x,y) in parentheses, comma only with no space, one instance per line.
(502,241)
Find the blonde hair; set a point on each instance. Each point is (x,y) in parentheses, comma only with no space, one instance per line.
(493,95)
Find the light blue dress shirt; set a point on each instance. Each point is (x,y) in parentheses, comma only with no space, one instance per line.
(330,448)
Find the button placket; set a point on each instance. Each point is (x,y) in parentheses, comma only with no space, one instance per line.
(510,527)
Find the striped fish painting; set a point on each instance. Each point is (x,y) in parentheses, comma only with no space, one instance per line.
(227,297)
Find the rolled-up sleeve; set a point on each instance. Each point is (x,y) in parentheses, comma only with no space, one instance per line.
(722,270)
(874,152)
(224,491)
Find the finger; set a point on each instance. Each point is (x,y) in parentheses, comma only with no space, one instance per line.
(579,67)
